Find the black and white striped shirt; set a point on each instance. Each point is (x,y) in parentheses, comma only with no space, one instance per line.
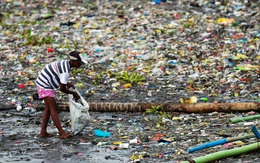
(53,74)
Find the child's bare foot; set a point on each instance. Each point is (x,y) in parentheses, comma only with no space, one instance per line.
(65,136)
(45,135)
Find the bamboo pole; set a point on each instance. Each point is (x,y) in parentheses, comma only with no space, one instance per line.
(167,107)
(225,153)
(242,119)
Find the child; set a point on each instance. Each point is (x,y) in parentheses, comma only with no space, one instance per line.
(53,76)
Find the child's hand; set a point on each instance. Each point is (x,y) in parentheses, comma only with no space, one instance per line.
(76,96)
(69,85)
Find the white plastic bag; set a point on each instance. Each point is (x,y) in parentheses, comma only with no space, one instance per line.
(79,114)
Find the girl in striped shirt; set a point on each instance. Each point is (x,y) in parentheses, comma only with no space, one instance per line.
(54,76)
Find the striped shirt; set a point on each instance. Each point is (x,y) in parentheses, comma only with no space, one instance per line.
(53,74)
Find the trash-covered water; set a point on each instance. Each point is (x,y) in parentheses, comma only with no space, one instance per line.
(144,52)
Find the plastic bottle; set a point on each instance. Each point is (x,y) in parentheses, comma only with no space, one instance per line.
(124,145)
(133,141)
(19,108)
(205,99)
(242,68)
(173,62)
(246,67)
(102,143)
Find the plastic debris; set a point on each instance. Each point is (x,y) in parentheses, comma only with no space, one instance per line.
(101,133)
(184,52)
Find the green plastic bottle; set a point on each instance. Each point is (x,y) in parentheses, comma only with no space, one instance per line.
(205,99)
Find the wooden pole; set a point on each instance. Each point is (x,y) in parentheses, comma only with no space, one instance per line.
(176,107)
(167,107)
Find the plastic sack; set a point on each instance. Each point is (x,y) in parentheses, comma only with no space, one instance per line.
(79,114)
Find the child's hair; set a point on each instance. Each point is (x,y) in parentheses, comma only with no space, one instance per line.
(75,55)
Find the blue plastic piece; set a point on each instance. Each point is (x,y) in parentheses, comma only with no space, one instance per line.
(207,145)
(255,131)
(158,1)
(101,133)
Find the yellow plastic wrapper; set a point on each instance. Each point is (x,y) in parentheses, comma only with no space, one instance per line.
(239,143)
(80,84)
(241,56)
(117,143)
(76,25)
(225,21)
(133,157)
(128,85)
(190,100)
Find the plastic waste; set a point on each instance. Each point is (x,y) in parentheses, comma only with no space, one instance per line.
(19,108)
(246,67)
(102,143)
(190,100)
(133,141)
(124,145)
(205,99)
(101,133)
(182,48)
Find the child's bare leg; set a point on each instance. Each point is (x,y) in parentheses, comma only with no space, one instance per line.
(45,120)
(55,117)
